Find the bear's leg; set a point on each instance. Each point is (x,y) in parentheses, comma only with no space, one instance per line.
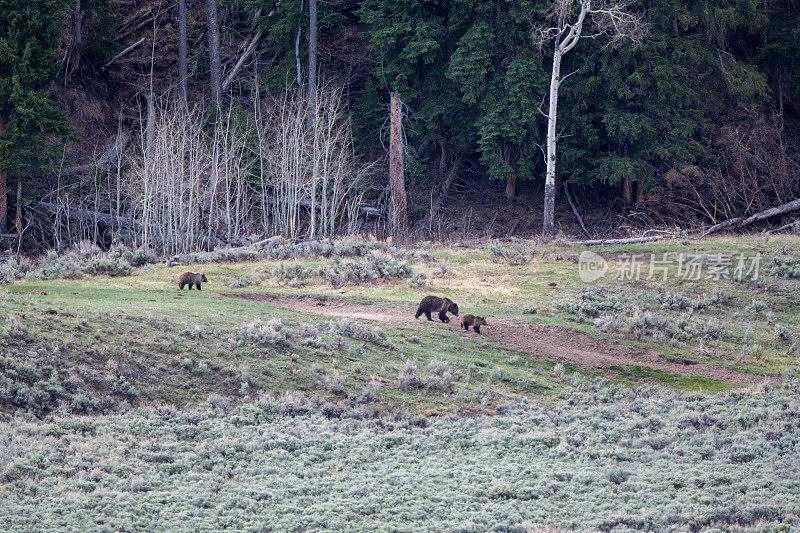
(190,285)
(443,317)
(477,329)
(180,287)
(428,315)
(198,286)
(419,312)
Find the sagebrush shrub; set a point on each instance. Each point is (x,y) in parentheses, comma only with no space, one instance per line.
(368,268)
(516,254)
(349,328)
(108,266)
(783,266)
(13,270)
(273,333)
(409,376)
(292,274)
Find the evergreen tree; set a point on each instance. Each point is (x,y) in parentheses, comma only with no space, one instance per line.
(634,113)
(498,74)
(413,41)
(29,34)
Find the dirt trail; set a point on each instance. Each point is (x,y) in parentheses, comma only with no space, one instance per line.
(540,341)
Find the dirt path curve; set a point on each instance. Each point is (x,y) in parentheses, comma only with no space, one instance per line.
(541,341)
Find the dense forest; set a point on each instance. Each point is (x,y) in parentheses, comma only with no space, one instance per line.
(186,125)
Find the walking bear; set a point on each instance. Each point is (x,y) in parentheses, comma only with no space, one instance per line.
(443,306)
(191,278)
(473,321)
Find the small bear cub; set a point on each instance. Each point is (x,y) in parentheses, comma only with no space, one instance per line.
(441,305)
(191,278)
(473,321)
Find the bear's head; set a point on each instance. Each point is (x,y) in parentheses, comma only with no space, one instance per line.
(203,277)
(481,320)
(452,307)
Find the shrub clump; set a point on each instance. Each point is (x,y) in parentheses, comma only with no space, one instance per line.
(14,270)
(365,269)
(515,254)
(590,304)
(348,328)
(138,257)
(273,333)
(85,258)
(409,376)
(108,266)
(783,266)
(36,382)
(292,274)
(418,280)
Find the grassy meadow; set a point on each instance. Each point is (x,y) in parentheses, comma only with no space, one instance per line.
(126,404)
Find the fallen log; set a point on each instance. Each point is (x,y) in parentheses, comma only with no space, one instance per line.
(105,162)
(739,222)
(87,215)
(785,226)
(633,240)
(125,51)
(239,64)
(275,240)
(575,210)
(8,235)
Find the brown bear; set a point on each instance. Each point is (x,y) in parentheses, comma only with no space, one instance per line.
(191,278)
(441,305)
(473,321)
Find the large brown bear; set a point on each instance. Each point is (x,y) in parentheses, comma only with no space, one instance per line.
(474,321)
(441,305)
(191,278)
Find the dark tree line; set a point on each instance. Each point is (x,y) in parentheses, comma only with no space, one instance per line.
(469,72)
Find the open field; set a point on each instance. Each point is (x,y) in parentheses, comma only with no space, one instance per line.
(298,392)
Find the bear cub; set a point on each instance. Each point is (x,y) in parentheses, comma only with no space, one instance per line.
(473,321)
(443,306)
(191,278)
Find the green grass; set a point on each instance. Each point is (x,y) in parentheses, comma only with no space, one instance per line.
(631,374)
(179,347)
(209,413)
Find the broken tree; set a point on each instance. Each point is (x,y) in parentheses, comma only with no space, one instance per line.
(397,184)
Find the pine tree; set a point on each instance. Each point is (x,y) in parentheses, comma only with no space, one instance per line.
(637,112)
(29,33)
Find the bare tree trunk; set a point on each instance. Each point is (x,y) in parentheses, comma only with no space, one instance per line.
(559,181)
(639,190)
(548,228)
(183,74)
(78,39)
(19,212)
(443,157)
(312,58)
(627,190)
(297,54)
(214,55)
(510,158)
(610,18)
(3,186)
(397,164)
(511,185)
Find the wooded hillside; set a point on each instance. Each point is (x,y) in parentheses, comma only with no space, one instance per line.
(190,124)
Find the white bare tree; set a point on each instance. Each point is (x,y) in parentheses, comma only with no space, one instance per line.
(568,22)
